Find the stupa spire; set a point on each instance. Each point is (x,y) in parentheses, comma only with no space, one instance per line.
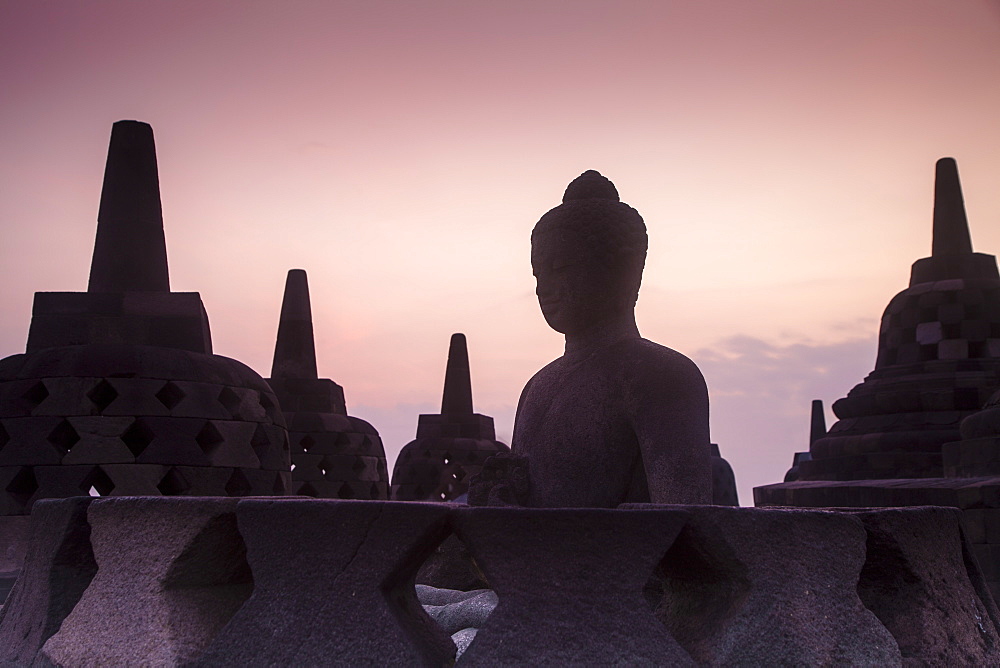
(457,381)
(130,253)
(951,227)
(817,422)
(295,350)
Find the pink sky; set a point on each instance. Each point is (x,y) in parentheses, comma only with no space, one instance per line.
(781,152)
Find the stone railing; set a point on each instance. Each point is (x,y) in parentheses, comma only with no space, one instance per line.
(270,581)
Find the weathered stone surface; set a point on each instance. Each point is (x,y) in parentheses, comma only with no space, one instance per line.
(451,447)
(333,585)
(451,567)
(916,580)
(15,532)
(58,567)
(467,613)
(745,586)
(171,573)
(617,418)
(437,596)
(570,583)
(502,481)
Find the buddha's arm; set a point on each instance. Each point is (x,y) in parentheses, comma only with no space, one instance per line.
(668,406)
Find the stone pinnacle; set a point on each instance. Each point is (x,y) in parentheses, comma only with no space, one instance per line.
(817,423)
(951,228)
(457,381)
(130,253)
(295,350)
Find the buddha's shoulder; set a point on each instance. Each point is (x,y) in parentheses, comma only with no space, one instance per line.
(647,359)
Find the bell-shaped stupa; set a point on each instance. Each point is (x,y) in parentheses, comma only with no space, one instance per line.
(334,455)
(118,392)
(451,446)
(938,360)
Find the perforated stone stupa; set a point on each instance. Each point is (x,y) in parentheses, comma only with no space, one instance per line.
(334,455)
(118,392)
(938,360)
(451,446)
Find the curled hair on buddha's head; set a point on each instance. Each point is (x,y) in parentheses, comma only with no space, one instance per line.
(613,233)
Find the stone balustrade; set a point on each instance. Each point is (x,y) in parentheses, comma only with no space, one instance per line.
(294,581)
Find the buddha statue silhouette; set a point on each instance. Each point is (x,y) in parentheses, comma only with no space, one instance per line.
(617,418)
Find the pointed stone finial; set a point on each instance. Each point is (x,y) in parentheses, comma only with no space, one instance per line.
(295,350)
(951,227)
(130,253)
(817,423)
(457,381)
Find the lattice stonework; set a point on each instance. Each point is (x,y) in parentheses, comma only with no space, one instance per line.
(65,435)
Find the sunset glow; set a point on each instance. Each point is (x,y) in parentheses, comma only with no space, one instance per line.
(781,153)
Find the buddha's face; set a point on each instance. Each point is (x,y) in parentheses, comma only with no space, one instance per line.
(575,291)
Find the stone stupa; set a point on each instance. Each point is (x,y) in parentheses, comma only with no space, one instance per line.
(451,446)
(923,429)
(334,455)
(118,392)
(938,360)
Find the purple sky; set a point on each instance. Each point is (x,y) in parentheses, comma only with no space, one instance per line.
(781,152)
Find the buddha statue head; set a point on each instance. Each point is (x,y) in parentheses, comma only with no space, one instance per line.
(587,255)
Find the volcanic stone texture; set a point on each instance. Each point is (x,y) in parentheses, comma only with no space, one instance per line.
(740,584)
(330,582)
(334,455)
(170,574)
(938,360)
(333,585)
(451,447)
(580,570)
(59,567)
(977,498)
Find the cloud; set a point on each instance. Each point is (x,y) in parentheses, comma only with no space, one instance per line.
(761,393)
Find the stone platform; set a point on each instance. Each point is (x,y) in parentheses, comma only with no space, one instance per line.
(293,581)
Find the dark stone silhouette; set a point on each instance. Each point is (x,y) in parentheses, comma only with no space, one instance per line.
(503,481)
(912,433)
(938,360)
(617,418)
(450,447)
(817,430)
(334,455)
(918,582)
(740,583)
(130,253)
(59,567)
(723,481)
(119,392)
(570,585)
(341,597)
(165,581)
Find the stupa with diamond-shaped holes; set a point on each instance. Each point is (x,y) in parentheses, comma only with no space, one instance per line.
(118,392)
(334,455)
(451,446)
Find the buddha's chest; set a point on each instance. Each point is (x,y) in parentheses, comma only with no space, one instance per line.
(574,428)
